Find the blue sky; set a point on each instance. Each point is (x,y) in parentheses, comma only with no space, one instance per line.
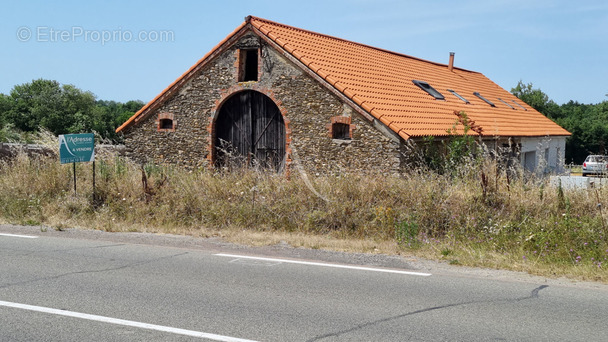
(559,46)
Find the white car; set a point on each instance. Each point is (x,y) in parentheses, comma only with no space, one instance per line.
(595,165)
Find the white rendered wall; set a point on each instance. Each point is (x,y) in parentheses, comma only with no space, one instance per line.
(549,154)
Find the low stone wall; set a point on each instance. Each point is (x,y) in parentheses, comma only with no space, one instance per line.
(11,150)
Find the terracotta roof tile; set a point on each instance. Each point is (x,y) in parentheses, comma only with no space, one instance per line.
(380,82)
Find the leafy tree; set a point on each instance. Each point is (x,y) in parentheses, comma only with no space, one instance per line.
(32,102)
(61,109)
(537,99)
(5,105)
(113,115)
(456,149)
(45,103)
(129,108)
(589,127)
(588,123)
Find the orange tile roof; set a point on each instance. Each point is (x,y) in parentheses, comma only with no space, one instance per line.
(380,82)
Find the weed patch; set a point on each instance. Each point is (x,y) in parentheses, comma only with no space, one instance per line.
(464,216)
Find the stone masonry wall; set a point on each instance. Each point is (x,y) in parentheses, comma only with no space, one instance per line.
(306,105)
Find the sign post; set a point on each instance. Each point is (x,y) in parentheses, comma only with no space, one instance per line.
(77,148)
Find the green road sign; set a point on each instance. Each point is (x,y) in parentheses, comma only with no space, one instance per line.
(76,148)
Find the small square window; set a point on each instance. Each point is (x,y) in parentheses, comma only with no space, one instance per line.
(166,122)
(340,128)
(340,131)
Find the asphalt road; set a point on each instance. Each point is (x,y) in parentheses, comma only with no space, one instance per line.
(94,286)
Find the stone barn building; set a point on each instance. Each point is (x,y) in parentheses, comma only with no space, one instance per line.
(270,94)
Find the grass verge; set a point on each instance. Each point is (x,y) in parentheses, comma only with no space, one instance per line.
(475,216)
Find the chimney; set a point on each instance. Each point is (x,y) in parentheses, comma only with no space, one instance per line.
(451,64)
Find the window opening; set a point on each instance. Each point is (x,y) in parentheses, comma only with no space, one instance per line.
(484,99)
(248,68)
(166,124)
(459,96)
(427,87)
(340,131)
(340,128)
(499,99)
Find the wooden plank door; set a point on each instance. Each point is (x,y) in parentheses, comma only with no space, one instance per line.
(250,131)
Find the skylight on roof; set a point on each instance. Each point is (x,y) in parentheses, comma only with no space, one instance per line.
(499,99)
(459,96)
(484,99)
(427,87)
(522,107)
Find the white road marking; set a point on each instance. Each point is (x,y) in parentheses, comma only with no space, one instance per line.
(134,324)
(255,262)
(360,268)
(19,236)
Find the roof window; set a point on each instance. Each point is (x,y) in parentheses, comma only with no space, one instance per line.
(499,99)
(522,107)
(484,99)
(427,87)
(459,96)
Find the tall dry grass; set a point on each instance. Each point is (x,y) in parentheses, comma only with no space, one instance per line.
(475,215)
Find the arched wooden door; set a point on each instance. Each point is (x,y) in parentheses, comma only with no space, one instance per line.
(249,130)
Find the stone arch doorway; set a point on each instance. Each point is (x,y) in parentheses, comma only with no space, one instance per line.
(249,131)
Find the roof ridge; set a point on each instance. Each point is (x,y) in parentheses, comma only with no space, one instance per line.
(376,83)
(249,19)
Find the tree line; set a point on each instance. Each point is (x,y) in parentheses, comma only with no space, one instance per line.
(65,109)
(588,123)
(61,109)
